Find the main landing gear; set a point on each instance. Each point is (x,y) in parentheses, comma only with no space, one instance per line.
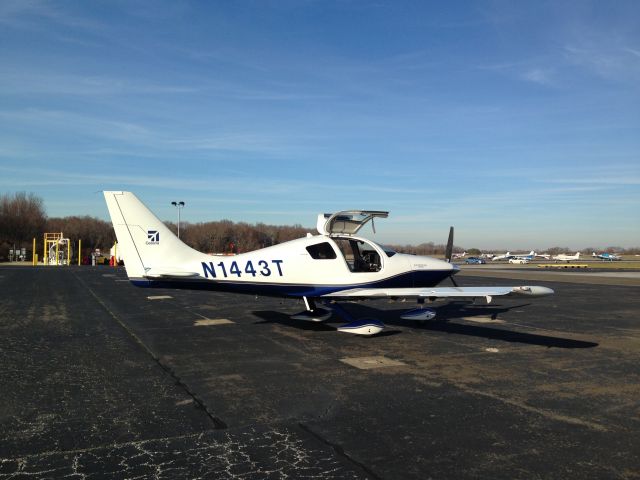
(313,313)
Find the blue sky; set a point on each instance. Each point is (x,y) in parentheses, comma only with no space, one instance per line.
(517,122)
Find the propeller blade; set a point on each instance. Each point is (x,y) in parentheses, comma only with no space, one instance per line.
(455,284)
(449,251)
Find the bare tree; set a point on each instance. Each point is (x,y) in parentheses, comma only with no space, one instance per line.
(22,218)
(226,236)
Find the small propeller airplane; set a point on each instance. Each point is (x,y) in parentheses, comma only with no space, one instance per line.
(506,256)
(564,257)
(606,256)
(527,256)
(334,265)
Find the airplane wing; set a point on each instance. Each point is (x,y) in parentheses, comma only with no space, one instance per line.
(441,292)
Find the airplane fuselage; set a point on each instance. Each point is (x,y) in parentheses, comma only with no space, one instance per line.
(307,267)
(607,256)
(566,258)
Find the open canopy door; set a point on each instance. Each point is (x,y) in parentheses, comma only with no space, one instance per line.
(348,222)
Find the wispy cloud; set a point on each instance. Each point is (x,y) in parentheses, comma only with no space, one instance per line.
(31,13)
(155,138)
(538,70)
(608,180)
(604,175)
(609,58)
(540,76)
(47,83)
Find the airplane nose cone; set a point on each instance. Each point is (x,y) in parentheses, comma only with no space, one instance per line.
(455,268)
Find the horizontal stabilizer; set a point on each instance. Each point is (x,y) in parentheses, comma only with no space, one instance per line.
(168,273)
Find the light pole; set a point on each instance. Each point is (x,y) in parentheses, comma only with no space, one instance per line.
(178,205)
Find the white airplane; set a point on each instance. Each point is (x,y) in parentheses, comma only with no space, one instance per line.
(529,256)
(506,256)
(460,255)
(546,256)
(334,265)
(563,257)
(607,256)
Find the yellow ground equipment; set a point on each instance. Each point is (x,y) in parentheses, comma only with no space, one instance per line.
(563,265)
(57,249)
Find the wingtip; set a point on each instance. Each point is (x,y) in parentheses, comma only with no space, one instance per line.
(533,291)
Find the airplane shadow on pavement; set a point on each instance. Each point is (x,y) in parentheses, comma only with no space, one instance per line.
(442,323)
(465,310)
(270,316)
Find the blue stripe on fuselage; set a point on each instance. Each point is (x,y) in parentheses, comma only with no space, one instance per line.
(420,278)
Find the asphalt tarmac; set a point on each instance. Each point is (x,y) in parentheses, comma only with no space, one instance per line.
(101,379)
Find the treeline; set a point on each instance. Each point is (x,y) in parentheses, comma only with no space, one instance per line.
(436,250)
(93,232)
(23,217)
(428,248)
(226,236)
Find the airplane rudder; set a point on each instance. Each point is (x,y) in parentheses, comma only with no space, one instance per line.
(156,242)
(128,250)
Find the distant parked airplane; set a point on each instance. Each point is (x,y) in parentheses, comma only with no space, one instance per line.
(607,256)
(563,257)
(459,255)
(528,256)
(506,256)
(546,256)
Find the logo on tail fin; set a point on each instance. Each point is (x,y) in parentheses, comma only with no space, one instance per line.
(153,237)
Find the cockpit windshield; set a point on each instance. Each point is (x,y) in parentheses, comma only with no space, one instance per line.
(388,250)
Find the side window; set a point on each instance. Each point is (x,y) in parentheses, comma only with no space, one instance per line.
(359,255)
(321,251)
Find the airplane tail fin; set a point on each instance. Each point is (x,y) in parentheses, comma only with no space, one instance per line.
(145,242)
(577,254)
